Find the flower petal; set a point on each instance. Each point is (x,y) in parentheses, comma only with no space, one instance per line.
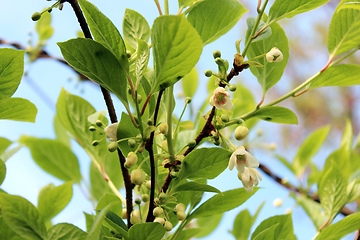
(232,161)
(228,105)
(251,161)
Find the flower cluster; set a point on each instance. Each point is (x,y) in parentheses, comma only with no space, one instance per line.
(245,163)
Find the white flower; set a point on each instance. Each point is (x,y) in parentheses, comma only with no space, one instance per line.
(110,132)
(249,178)
(241,159)
(274,55)
(221,99)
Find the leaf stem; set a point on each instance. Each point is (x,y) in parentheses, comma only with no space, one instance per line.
(166,3)
(158,7)
(169,122)
(252,34)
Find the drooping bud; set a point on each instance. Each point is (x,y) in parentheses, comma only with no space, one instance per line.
(113,146)
(216,54)
(36,16)
(241,132)
(225,118)
(145,197)
(219,61)
(131,160)
(160,220)
(158,211)
(192,143)
(137,176)
(232,87)
(92,128)
(148,184)
(238,60)
(180,207)
(124,213)
(162,196)
(138,201)
(168,226)
(132,143)
(274,55)
(98,123)
(128,53)
(163,128)
(208,73)
(150,122)
(188,100)
(181,215)
(95,143)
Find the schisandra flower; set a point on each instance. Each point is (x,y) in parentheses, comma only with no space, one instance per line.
(241,159)
(111,131)
(274,55)
(249,178)
(221,99)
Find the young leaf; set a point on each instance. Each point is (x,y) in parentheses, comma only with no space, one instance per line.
(194,186)
(97,225)
(177,48)
(213,18)
(342,75)
(54,157)
(270,73)
(275,114)
(11,71)
(43,27)
(284,229)
(93,60)
(2,171)
(250,21)
(61,133)
(18,109)
(347,137)
(105,32)
(6,232)
(135,27)
(190,82)
(188,234)
(309,148)
(332,192)
(222,202)
(289,8)
(344,30)
(4,144)
(109,198)
(267,234)
(242,225)
(208,224)
(65,231)
(354,5)
(142,58)
(340,229)
(204,163)
(146,231)
(312,208)
(22,217)
(52,200)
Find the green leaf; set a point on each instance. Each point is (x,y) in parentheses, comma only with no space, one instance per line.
(222,202)
(93,60)
(65,231)
(176,47)
(270,73)
(18,109)
(22,217)
(213,18)
(54,157)
(188,234)
(340,229)
(190,82)
(116,222)
(208,224)
(97,225)
(52,200)
(2,171)
(105,32)
(142,59)
(135,27)
(110,198)
(4,144)
(11,71)
(7,154)
(312,208)
(353,5)
(89,221)
(344,33)
(347,137)
(194,186)
(61,133)
(284,229)
(203,163)
(250,21)
(309,148)
(186,3)
(286,163)
(332,192)
(244,102)
(289,8)
(342,75)
(6,232)
(242,225)
(275,114)
(43,27)
(267,234)
(146,231)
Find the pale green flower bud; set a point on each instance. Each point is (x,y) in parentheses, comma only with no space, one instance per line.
(113,146)
(162,196)
(180,207)
(274,55)
(188,100)
(164,128)
(208,73)
(217,54)
(137,176)
(98,123)
(160,220)
(36,16)
(132,143)
(135,220)
(192,143)
(138,201)
(168,226)
(181,215)
(95,143)
(277,202)
(92,128)
(225,118)
(241,132)
(145,197)
(158,211)
(124,214)
(148,184)
(232,87)
(131,160)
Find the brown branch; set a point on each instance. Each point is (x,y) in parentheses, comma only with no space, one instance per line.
(128,184)
(149,147)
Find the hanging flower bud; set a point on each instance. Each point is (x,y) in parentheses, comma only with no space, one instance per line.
(274,55)
(241,132)
(216,54)
(137,176)
(160,220)
(111,132)
(158,211)
(135,220)
(180,207)
(232,87)
(36,16)
(113,146)
(98,123)
(164,128)
(188,100)
(148,184)
(92,128)
(131,160)
(131,143)
(168,226)
(145,197)
(192,143)
(181,215)
(124,213)
(238,60)
(221,99)
(208,73)
(225,118)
